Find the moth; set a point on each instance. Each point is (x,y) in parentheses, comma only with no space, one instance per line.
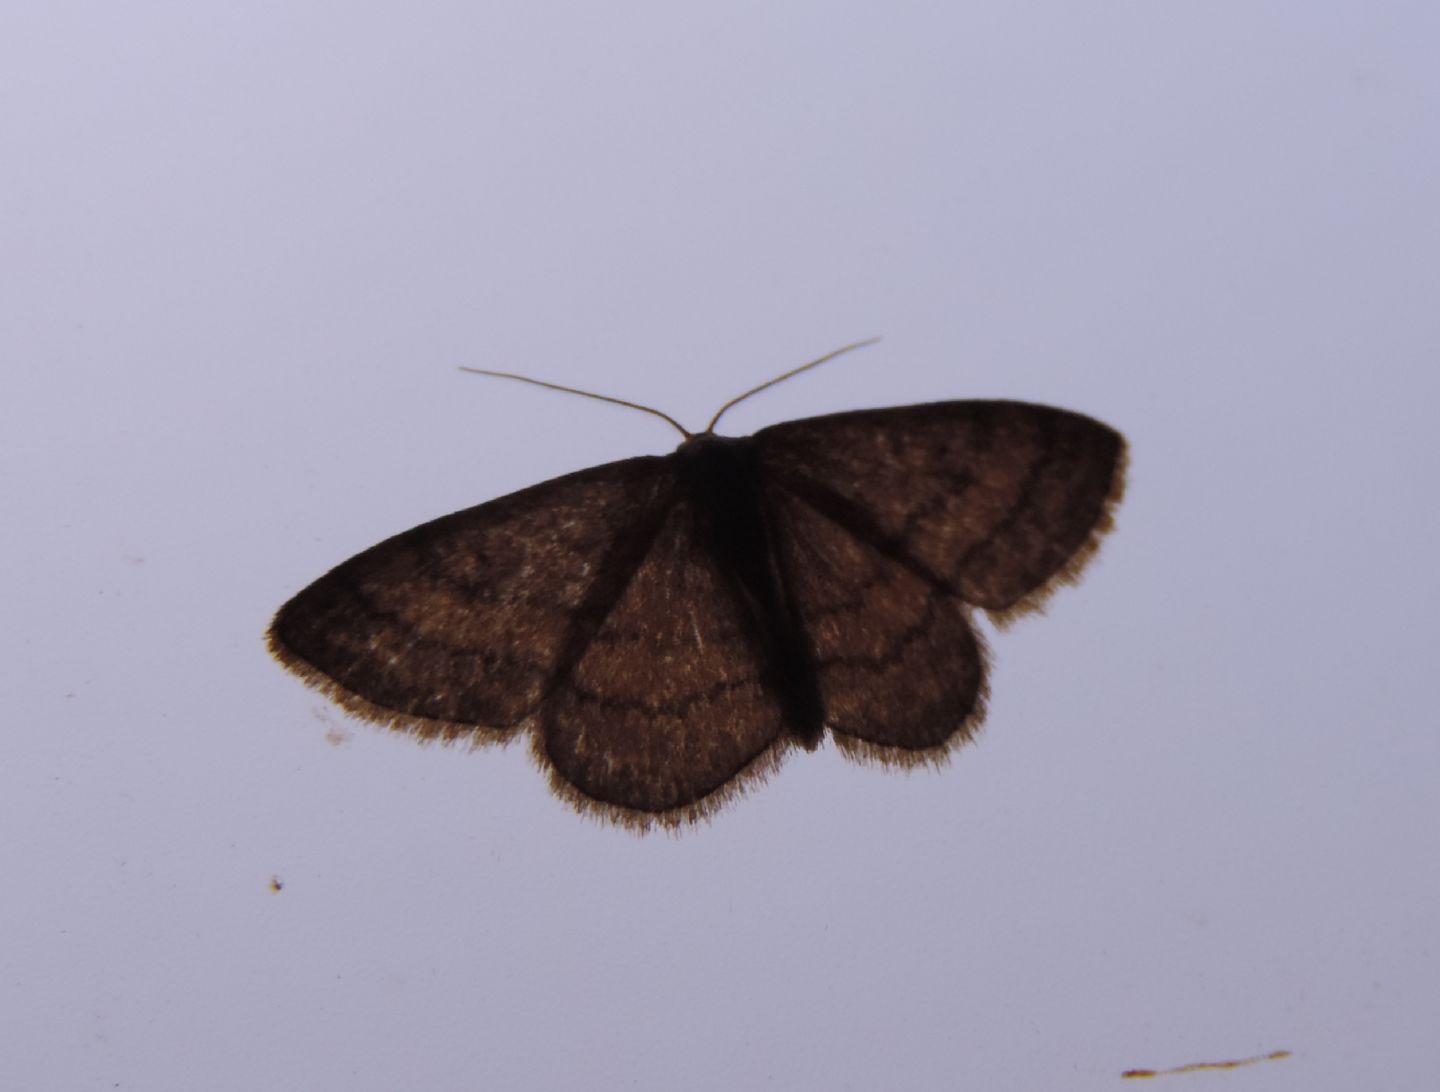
(667,628)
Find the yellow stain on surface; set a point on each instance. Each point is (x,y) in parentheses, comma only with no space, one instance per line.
(1195,1067)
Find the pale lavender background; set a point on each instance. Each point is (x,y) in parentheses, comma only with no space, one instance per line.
(243,249)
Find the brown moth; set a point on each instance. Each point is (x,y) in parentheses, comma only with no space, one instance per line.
(668,628)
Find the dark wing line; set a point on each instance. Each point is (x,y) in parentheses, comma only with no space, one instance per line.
(678,708)
(1070,569)
(613,575)
(1018,507)
(613,553)
(449,649)
(898,643)
(665,711)
(855,517)
(852,518)
(960,716)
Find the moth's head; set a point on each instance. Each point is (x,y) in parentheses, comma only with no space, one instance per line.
(698,444)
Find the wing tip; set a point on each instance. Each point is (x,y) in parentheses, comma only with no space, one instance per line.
(1070,573)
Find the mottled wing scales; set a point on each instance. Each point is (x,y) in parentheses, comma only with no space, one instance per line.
(594,609)
(460,623)
(665,704)
(898,665)
(992,499)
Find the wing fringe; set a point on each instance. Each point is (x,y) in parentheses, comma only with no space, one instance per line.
(426,730)
(1036,600)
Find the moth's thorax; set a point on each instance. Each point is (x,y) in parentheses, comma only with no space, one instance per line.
(718,466)
(720,476)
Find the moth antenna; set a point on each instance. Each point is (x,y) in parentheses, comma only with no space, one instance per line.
(781,378)
(588,394)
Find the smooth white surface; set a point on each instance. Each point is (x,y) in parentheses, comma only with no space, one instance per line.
(242,250)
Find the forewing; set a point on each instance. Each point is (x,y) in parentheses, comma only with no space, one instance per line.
(461,622)
(897,663)
(665,704)
(994,500)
